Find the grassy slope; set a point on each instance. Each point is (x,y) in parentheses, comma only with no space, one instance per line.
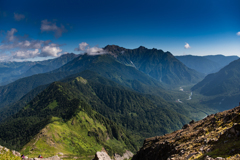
(7,155)
(79,129)
(73,138)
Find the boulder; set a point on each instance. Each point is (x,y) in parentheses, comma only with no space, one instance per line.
(126,155)
(101,156)
(16,153)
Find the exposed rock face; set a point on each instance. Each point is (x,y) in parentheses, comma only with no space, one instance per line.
(3,148)
(217,137)
(102,156)
(126,155)
(16,153)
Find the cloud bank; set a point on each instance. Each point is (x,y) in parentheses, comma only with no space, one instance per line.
(22,48)
(187,46)
(47,26)
(85,48)
(238,33)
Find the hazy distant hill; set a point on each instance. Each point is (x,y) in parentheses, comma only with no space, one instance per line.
(222,88)
(226,81)
(221,59)
(206,64)
(160,65)
(11,71)
(200,64)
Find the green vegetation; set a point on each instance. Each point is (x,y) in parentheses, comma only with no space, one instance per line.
(62,100)
(68,123)
(7,155)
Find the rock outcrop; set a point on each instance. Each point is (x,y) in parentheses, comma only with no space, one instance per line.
(102,156)
(126,155)
(216,137)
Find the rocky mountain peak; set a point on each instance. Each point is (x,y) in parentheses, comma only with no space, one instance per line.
(217,135)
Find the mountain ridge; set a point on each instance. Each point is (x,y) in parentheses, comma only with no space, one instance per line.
(162,66)
(206,64)
(215,136)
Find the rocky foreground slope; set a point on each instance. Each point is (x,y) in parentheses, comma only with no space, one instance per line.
(215,137)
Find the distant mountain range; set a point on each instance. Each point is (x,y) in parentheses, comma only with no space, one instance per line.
(206,64)
(222,87)
(226,81)
(11,71)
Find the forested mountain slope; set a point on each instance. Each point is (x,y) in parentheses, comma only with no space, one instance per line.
(162,66)
(56,116)
(65,100)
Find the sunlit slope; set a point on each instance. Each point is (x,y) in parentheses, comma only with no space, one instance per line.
(54,110)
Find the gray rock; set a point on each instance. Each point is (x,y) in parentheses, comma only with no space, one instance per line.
(126,155)
(16,153)
(101,156)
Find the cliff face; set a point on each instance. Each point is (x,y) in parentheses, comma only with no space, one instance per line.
(217,135)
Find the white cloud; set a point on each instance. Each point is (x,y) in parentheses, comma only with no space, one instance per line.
(25,54)
(238,33)
(47,26)
(95,51)
(15,47)
(18,17)
(82,46)
(50,50)
(187,46)
(90,50)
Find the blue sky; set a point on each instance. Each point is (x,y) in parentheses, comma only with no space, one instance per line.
(45,29)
